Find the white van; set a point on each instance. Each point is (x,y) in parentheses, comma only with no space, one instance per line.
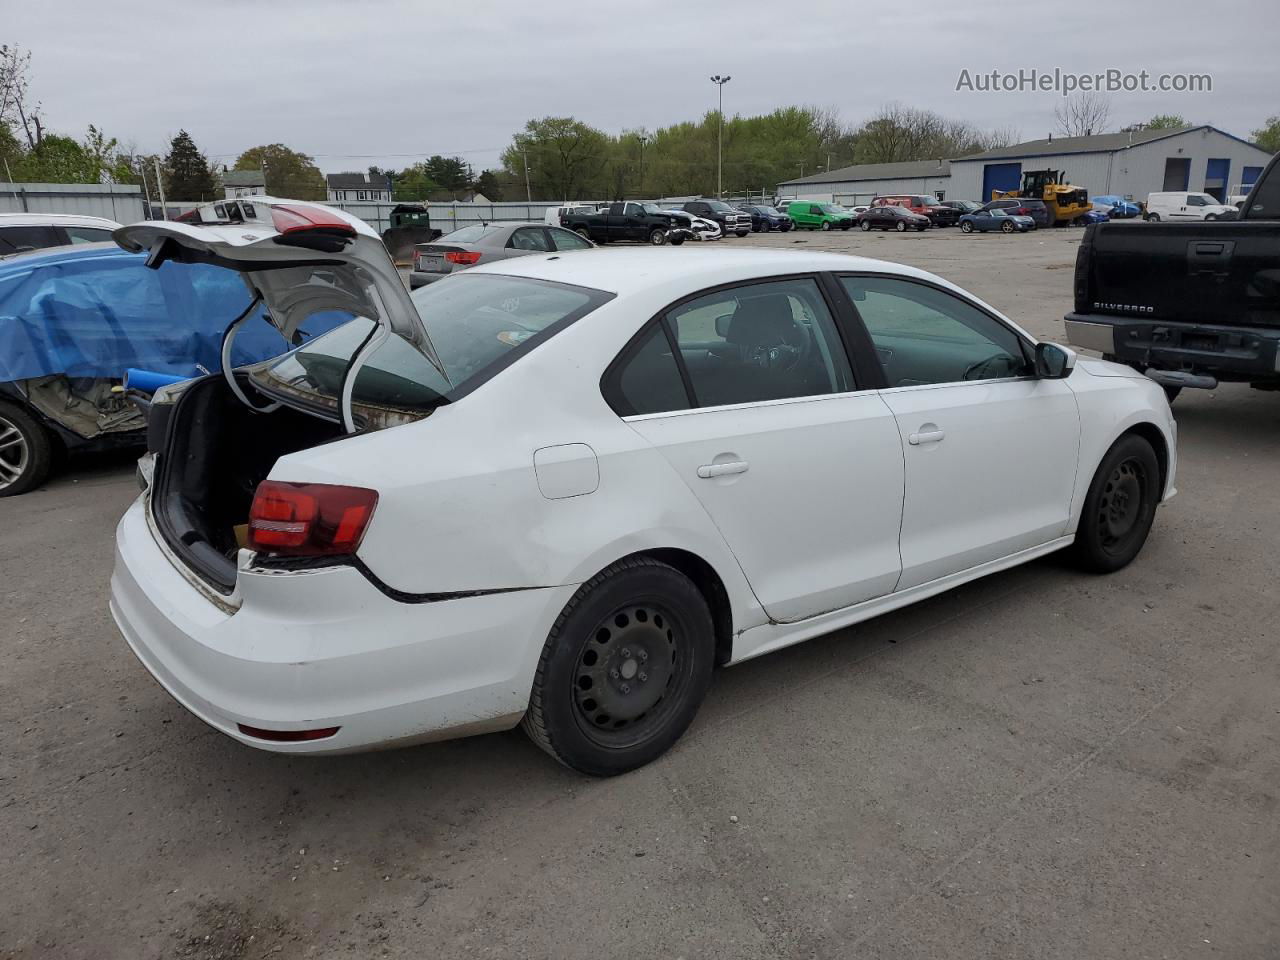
(553,214)
(1184,206)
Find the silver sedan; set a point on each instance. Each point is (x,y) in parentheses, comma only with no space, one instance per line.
(485,243)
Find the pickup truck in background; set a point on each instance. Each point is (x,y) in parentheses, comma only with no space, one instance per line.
(643,222)
(1188,304)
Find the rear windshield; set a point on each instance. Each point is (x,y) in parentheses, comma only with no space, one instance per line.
(478,324)
(467,234)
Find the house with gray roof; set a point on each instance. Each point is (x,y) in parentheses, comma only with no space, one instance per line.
(357,186)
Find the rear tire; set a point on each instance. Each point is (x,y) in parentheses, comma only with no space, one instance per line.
(826,224)
(584,233)
(1153,218)
(26,451)
(596,705)
(902,226)
(866,226)
(1119,507)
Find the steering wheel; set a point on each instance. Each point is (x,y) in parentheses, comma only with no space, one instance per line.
(981,366)
(784,356)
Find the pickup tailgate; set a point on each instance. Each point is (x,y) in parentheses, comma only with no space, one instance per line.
(1214,272)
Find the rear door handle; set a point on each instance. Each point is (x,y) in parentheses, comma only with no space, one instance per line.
(926,436)
(709,470)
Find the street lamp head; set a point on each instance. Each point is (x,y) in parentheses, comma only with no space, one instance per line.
(720,80)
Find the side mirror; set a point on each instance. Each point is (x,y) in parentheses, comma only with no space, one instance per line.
(722,326)
(1054,361)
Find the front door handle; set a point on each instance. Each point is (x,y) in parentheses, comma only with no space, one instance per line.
(709,470)
(931,435)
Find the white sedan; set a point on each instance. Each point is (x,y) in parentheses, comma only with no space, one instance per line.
(559,491)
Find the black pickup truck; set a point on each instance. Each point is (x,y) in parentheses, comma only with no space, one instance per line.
(1189,304)
(645,222)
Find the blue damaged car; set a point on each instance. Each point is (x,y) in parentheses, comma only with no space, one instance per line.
(73,320)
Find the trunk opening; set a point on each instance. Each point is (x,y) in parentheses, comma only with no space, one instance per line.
(215,453)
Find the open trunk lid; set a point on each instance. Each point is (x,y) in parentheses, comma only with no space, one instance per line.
(298,259)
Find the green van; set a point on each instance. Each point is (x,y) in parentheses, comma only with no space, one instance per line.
(819,216)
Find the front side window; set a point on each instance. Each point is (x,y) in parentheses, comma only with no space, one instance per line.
(87,234)
(1197,200)
(925,335)
(568,240)
(758,342)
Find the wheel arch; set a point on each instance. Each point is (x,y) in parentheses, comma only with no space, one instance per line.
(1159,443)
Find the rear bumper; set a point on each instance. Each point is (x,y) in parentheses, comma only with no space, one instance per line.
(1227,353)
(325,648)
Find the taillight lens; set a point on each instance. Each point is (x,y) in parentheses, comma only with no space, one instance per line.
(417,259)
(291,218)
(464,257)
(309,519)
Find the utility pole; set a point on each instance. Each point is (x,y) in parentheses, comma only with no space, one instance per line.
(720,81)
(528,191)
(643,140)
(164,209)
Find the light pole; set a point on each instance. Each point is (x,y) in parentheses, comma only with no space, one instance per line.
(643,140)
(720,81)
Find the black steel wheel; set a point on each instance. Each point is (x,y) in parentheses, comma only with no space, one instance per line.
(1119,507)
(623,670)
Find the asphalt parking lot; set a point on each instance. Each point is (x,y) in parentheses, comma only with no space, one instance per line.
(1039,764)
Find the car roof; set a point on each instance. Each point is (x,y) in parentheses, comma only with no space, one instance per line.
(55,219)
(48,256)
(634,270)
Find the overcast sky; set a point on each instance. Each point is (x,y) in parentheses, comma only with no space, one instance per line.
(356,82)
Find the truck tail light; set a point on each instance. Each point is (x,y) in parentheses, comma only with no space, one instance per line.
(309,519)
(464,257)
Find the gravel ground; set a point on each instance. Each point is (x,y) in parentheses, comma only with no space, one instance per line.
(1039,764)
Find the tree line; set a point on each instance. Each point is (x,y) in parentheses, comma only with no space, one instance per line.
(550,158)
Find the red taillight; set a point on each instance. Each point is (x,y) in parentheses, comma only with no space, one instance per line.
(287,218)
(287,736)
(417,259)
(309,519)
(464,257)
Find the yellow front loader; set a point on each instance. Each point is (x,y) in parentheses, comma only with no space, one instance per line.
(1064,201)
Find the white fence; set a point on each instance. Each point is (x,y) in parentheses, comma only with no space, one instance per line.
(120,202)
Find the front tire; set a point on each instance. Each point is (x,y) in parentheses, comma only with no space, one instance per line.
(657,236)
(624,669)
(26,451)
(1007,227)
(966,227)
(1153,218)
(1120,506)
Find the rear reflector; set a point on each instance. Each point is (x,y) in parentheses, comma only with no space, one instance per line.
(287,218)
(287,736)
(464,257)
(309,519)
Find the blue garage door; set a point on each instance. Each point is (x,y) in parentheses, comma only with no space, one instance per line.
(1000,176)
(1217,171)
(1249,177)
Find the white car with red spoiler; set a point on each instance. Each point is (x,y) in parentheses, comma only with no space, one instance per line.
(561,490)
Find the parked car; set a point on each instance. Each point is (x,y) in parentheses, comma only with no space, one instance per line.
(485,242)
(892,217)
(20,232)
(961,206)
(1179,205)
(764,218)
(75,320)
(1099,214)
(642,222)
(730,220)
(939,214)
(510,499)
(552,215)
(1189,304)
(1037,210)
(1119,207)
(819,216)
(996,219)
(703,229)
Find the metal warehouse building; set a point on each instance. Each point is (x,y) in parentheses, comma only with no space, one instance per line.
(1128,164)
(861,182)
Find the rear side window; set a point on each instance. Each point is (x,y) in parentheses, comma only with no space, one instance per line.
(647,380)
(15,239)
(87,234)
